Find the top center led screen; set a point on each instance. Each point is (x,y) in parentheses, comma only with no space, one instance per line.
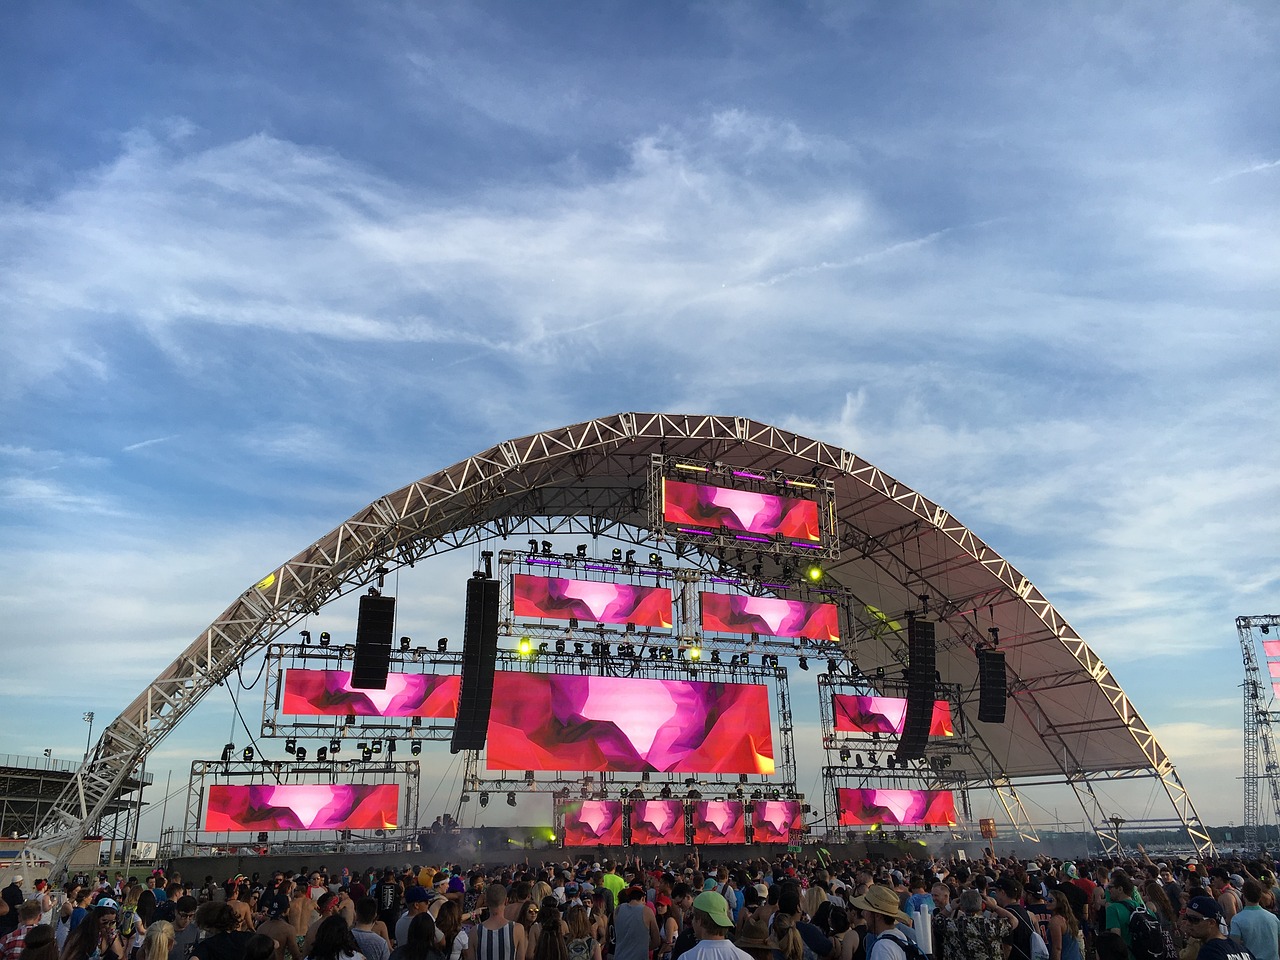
(545,721)
(855,713)
(554,598)
(723,508)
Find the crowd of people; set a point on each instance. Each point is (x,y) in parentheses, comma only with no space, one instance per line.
(785,909)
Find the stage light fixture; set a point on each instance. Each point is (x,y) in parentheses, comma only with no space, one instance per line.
(302,753)
(715,656)
(511,799)
(695,653)
(844,756)
(695,794)
(404,644)
(290,745)
(306,635)
(542,647)
(528,776)
(833,666)
(335,746)
(857,761)
(484,798)
(616,556)
(391,745)
(442,644)
(744,659)
(366,755)
(546,548)
(325,638)
(560,645)
(415,722)
(578,649)
(655,559)
(526,646)
(533,546)
(376,746)
(871,759)
(465,798)
(665,793)
(415,748)
(582,551)
(246,754)
(322,754)
(804,663)
(814,573)
(631,558)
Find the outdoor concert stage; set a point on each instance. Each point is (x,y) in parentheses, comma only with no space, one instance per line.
(649,588)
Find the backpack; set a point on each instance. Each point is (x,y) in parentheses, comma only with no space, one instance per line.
(1148,940)
(912,950)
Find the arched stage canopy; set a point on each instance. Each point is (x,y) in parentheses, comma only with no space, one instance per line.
(1069,722)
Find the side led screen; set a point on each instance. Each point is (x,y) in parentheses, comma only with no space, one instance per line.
(255,807)
(736,613)
(559,722)
(896,808)
(862,714)
(553,598)
(723,508)
(657,821)
(326,693)
(775,820)
(719,821)
(593,822)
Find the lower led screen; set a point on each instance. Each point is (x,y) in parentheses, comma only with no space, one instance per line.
(326,693)
(774,820)
(557,599)
(360,806)
(542,721)
(863,714)
(593,822)
(896,808)
(719,821)
(724,508)
(736,613)
(657,821)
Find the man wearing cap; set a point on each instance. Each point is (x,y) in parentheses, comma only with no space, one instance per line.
(711,925)
(1201,921)
(415,902)
(276,926)
(880,905)
(636,927)
(1225,893)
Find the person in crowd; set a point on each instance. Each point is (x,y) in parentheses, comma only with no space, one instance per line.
(302,910)
(497,938)
(373,945)
(1258,930)
(668,927)
(185,930)
(260,947)
(580,943)
(635,927)
(1064,930)
(222,938)
(1228,899)
(549,943)
(711,924)
(275,924)
(975,929)
(601,915)
(1202,921)
(97,936)
(28,919)
(158,941)
(787,942)
(421,941)
(333,941)
(819,944)
(880,904)
(40,944)
(453,937)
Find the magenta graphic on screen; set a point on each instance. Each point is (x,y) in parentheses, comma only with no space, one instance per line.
(775,820)
(553,598)
(592,822)
(254,807)
(719,821)
(657,821)
(856,713)
(736,613)
(896,807)
(323,693)
(542,721)
(723,508)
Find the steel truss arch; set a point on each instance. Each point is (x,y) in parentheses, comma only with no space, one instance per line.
(895,545)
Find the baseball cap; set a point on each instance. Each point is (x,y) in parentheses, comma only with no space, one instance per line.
(456,885)
(714,906)
(1207,907)
(415,894)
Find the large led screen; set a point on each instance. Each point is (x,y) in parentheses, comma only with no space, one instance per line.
(723,508)
(657,821)
(736,613)
(719,821)
(559,722)
(775,820)
(325,693)
(896,808)
(863,714)
(553,598)
(254,807)
(592,822)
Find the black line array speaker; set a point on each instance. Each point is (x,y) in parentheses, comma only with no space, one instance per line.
(479,653)
(376,622)
(922,689)
(992,686)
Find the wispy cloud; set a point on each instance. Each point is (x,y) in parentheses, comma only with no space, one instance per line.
(149,443)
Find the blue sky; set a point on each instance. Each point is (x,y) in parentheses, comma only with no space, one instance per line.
(263,263)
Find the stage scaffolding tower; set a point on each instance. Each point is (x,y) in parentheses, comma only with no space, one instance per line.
(1259,713)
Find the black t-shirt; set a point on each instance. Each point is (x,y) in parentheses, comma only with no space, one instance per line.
(1076,897)
(1020,938)
(1223,948)
(222,946)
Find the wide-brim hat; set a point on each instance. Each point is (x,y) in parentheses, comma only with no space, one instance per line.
(753,935)
(882,900)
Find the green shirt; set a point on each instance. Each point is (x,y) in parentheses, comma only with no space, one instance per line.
(1118,914)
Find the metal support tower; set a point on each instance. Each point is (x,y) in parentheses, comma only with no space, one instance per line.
(1257,727)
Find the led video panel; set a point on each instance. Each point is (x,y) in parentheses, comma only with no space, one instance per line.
(736,613)
(326,693)
(896,808)
(544,721)
(864,714)
(719,821)
(254,807)
(554,598)
(657,821)
(723,508)
(592,822)
(774,820)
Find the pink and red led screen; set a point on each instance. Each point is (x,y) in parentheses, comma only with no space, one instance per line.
(657,821)
(553,598)
(723,508)
(719,821)
(254,807)
(863,714)
(545,721)
(896,808)
(775,820)
(324,693)
(592,822)
(736,613)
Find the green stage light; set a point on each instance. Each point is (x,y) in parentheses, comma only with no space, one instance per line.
(526,646)
(815,573)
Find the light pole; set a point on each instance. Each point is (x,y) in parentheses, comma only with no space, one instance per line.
(88,740)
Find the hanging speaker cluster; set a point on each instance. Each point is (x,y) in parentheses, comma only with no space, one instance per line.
(479,654)
(992,686)
(374,627)
(922,689)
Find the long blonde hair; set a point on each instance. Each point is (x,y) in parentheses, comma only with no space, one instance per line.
(787,937)
(158,941)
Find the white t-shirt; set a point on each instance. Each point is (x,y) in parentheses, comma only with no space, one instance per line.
(718,950)
(886,948)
